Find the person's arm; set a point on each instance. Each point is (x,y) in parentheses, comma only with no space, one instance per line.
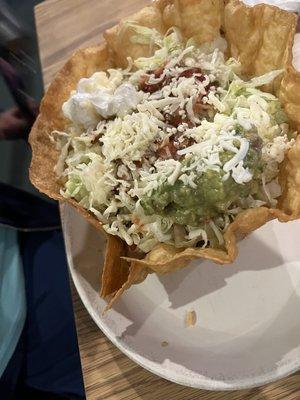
(16,122)
(13,125)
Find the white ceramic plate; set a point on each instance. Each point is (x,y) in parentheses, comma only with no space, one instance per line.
(248,321)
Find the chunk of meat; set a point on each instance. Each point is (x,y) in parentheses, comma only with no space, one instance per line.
(138,163)
(186,142)
(201,108)
(168,149)
(175,119)
(158,71)
(212,85)
(145,86)
(172,144)
(188,73)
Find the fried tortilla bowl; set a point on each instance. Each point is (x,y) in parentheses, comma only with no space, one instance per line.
(261,38)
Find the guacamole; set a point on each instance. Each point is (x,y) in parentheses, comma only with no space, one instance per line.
(212,197)
(188,206)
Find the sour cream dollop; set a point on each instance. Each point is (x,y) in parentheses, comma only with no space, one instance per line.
(100,96)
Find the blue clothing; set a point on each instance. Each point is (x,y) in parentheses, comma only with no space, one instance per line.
(46,359)
(52,356)
(12,295)
(26,212)
(18,211)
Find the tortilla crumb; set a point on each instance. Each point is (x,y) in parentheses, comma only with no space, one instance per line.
(191,318)
(164,343)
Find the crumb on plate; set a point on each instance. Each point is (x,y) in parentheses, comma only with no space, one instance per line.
(191,318)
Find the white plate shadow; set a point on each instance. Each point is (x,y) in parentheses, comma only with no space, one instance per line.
(248,324)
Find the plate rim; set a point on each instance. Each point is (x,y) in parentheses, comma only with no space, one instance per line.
(212,385)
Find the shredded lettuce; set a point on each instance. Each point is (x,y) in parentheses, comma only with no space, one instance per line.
(265,79)
(169,44)
(145,35)
(209,47)
(75,188)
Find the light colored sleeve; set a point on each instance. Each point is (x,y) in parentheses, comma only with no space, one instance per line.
(12,295)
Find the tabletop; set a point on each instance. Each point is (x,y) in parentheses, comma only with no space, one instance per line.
(62,27)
